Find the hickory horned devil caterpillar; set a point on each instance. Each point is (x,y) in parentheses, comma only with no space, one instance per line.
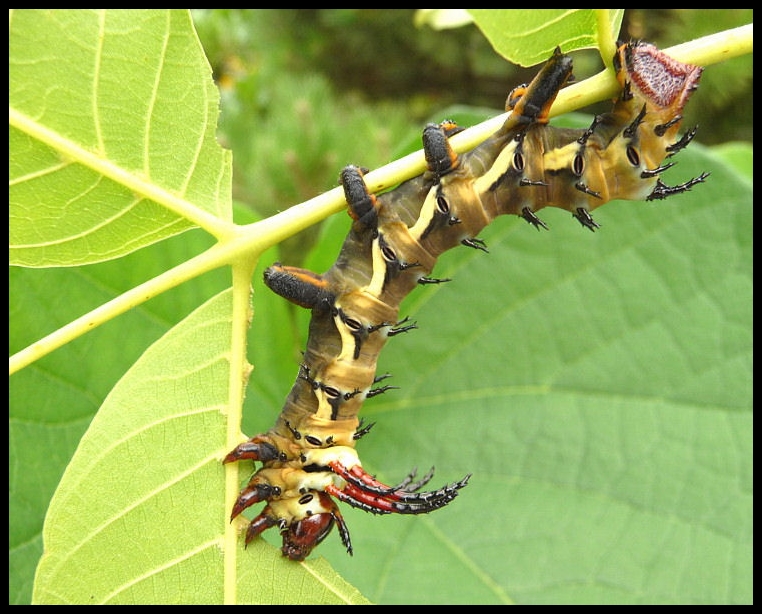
(308,457)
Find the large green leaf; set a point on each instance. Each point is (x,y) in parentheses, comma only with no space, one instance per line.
(112,134)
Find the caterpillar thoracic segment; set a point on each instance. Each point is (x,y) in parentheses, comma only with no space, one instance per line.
(308,458)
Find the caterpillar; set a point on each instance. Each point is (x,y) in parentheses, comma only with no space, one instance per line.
(308,458)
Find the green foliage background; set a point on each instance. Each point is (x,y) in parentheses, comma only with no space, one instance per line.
(598,386)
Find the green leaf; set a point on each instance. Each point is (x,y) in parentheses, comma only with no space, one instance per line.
(118,151)
(528,37)
(442,19)
(739,155)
